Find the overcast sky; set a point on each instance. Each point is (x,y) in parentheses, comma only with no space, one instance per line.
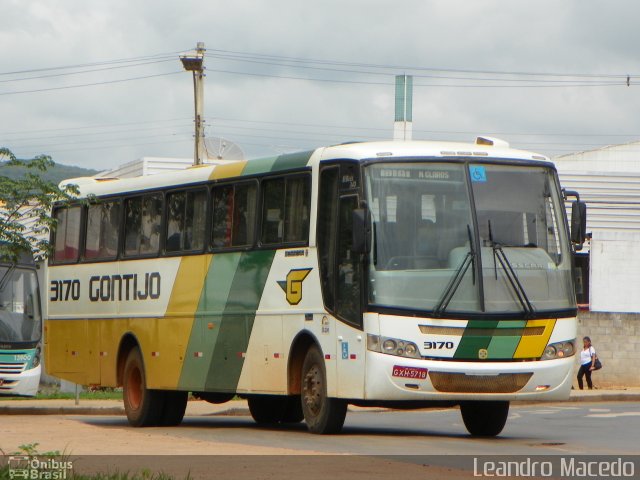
(284,75)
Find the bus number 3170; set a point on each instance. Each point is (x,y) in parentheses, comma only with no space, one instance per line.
(438,345)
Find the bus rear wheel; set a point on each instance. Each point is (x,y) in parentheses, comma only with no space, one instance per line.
(484,419)
(175,404)
(143,407)
(321,413)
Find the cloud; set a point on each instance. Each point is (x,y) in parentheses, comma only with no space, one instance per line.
(266,105)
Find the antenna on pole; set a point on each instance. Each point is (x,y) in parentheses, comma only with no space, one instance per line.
(194,62)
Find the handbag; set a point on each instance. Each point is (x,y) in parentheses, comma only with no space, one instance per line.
(597,365)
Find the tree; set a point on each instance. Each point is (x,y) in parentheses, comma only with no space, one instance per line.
(25,207)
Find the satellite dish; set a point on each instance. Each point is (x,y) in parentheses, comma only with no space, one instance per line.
(219,148)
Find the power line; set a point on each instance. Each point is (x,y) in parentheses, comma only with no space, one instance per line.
(93,64)
(102,125)
(39,77)
(105,82)
(572,81)
(430,85)
(466,132)
(255,57)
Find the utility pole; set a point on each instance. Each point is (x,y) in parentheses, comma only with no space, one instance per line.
(194,62)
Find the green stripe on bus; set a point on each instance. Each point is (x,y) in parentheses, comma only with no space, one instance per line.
(206,326)
(476,336)
(237,321)
(259,165)
(292,160)
(288,161)
(503,346)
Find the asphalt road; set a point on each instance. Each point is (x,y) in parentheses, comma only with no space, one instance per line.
(585,428)
(375,437)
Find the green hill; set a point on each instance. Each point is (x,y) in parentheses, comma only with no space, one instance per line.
(55,174)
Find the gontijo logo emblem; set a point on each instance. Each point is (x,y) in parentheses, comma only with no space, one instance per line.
(292,286)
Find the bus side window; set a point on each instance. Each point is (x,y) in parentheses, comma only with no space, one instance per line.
(285,209)
(186,216)
(234,214)
(67,234)
(143,216)
(103,227)
(296,221)
(273,211)
(244,214)
(222,216)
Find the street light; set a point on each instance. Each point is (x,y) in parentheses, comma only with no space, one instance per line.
(193,62)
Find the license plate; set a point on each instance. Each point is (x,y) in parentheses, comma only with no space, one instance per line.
(409,372)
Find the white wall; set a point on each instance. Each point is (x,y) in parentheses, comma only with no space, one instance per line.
(615,272)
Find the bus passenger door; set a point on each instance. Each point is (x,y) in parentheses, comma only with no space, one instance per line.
(341,273)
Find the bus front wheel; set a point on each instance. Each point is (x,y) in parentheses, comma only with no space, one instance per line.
(321,413)
(143,407)
(484,419)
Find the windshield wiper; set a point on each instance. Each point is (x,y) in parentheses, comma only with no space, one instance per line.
(456,280)
(510,273)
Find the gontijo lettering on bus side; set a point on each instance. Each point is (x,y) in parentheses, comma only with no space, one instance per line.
(109,288)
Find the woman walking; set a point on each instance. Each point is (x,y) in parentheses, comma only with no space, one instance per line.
(587,361)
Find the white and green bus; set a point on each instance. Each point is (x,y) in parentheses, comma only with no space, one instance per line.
(405,274)
(20,327)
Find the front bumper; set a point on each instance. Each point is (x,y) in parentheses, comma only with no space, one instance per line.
(22,384)
(460,380)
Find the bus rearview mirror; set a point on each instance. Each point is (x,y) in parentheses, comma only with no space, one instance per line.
(578,223)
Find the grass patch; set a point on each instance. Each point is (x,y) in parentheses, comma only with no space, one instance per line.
(52,392)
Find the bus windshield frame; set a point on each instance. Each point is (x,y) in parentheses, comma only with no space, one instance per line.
(470,238)
(20,312)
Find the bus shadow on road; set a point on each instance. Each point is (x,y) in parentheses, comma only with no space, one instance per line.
(217,423)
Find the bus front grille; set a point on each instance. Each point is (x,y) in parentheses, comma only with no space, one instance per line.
(12,367)
(462,383)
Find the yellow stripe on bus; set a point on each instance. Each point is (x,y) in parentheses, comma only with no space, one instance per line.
(532,346)
(228,170)
(171,341)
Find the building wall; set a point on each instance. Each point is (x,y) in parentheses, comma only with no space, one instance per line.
(616,338)
(615,272)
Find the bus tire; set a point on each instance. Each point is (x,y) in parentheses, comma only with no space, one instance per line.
(175,404)
(323,415)
(484,419)
(143,407)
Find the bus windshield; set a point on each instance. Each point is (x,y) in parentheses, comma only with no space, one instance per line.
(20,318)
(426,254)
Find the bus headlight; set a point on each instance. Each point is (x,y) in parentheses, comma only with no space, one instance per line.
(559,350)
(392,346)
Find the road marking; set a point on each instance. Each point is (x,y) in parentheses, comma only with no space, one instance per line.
(599,409)
(613,415)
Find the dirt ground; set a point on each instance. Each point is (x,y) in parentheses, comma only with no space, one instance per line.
(93,448)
